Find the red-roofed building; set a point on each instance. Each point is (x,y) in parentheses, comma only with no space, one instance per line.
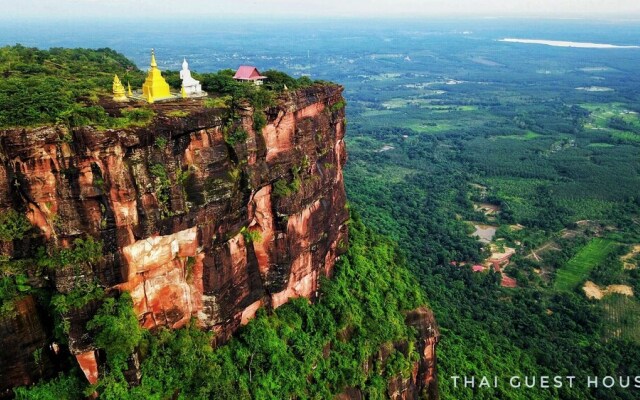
(247,73)
(478,268)
(508,281)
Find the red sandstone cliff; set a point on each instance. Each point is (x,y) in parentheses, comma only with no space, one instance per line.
(191,223)
(195,222)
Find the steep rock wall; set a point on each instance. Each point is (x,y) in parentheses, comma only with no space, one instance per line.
(195,223)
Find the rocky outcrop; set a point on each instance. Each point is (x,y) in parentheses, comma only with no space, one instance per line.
(424,381)
(25,353)
(200,216)
(421,382)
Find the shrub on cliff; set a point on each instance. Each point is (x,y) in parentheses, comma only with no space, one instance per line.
(86,250)
(64,387)
(219,82)
(277,80)
(117,330)
(236,136)
(13,225)
(251,236)
(13,284)
(259,121)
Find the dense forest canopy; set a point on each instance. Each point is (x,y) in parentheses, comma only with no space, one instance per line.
(516,140)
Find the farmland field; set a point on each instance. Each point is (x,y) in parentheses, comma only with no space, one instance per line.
(578,268)
(622,316)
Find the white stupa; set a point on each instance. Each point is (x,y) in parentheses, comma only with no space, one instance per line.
(190,86)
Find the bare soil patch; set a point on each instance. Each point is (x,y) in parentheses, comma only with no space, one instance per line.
(627,259)
(594,291)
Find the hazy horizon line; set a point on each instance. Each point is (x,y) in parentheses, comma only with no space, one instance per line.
(320,18)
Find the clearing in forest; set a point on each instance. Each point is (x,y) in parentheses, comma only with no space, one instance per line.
(629,259)
(579,266)
(593,291)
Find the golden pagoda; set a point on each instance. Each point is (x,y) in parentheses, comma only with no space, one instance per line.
(155,87)
(129,92)
(118,90)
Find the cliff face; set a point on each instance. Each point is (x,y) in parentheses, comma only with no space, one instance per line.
(422,382)
(200,216)
(196,223)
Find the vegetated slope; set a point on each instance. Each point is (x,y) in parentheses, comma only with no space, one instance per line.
(301,350)
(64,86)
(47,86)
(421,193)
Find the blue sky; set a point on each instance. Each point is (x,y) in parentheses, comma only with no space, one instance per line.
(319,8)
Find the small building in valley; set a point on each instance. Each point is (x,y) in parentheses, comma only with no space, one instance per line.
(500,257)
(508,281)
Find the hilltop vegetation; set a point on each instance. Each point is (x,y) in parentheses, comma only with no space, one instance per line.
(65,86)
(44,86)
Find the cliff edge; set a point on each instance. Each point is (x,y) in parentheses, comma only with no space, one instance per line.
(200,214)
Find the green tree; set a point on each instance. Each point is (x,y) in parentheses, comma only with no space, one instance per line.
(117,331)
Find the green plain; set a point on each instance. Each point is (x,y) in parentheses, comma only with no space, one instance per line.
(579,266)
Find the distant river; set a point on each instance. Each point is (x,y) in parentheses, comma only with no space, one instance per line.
(559,43)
